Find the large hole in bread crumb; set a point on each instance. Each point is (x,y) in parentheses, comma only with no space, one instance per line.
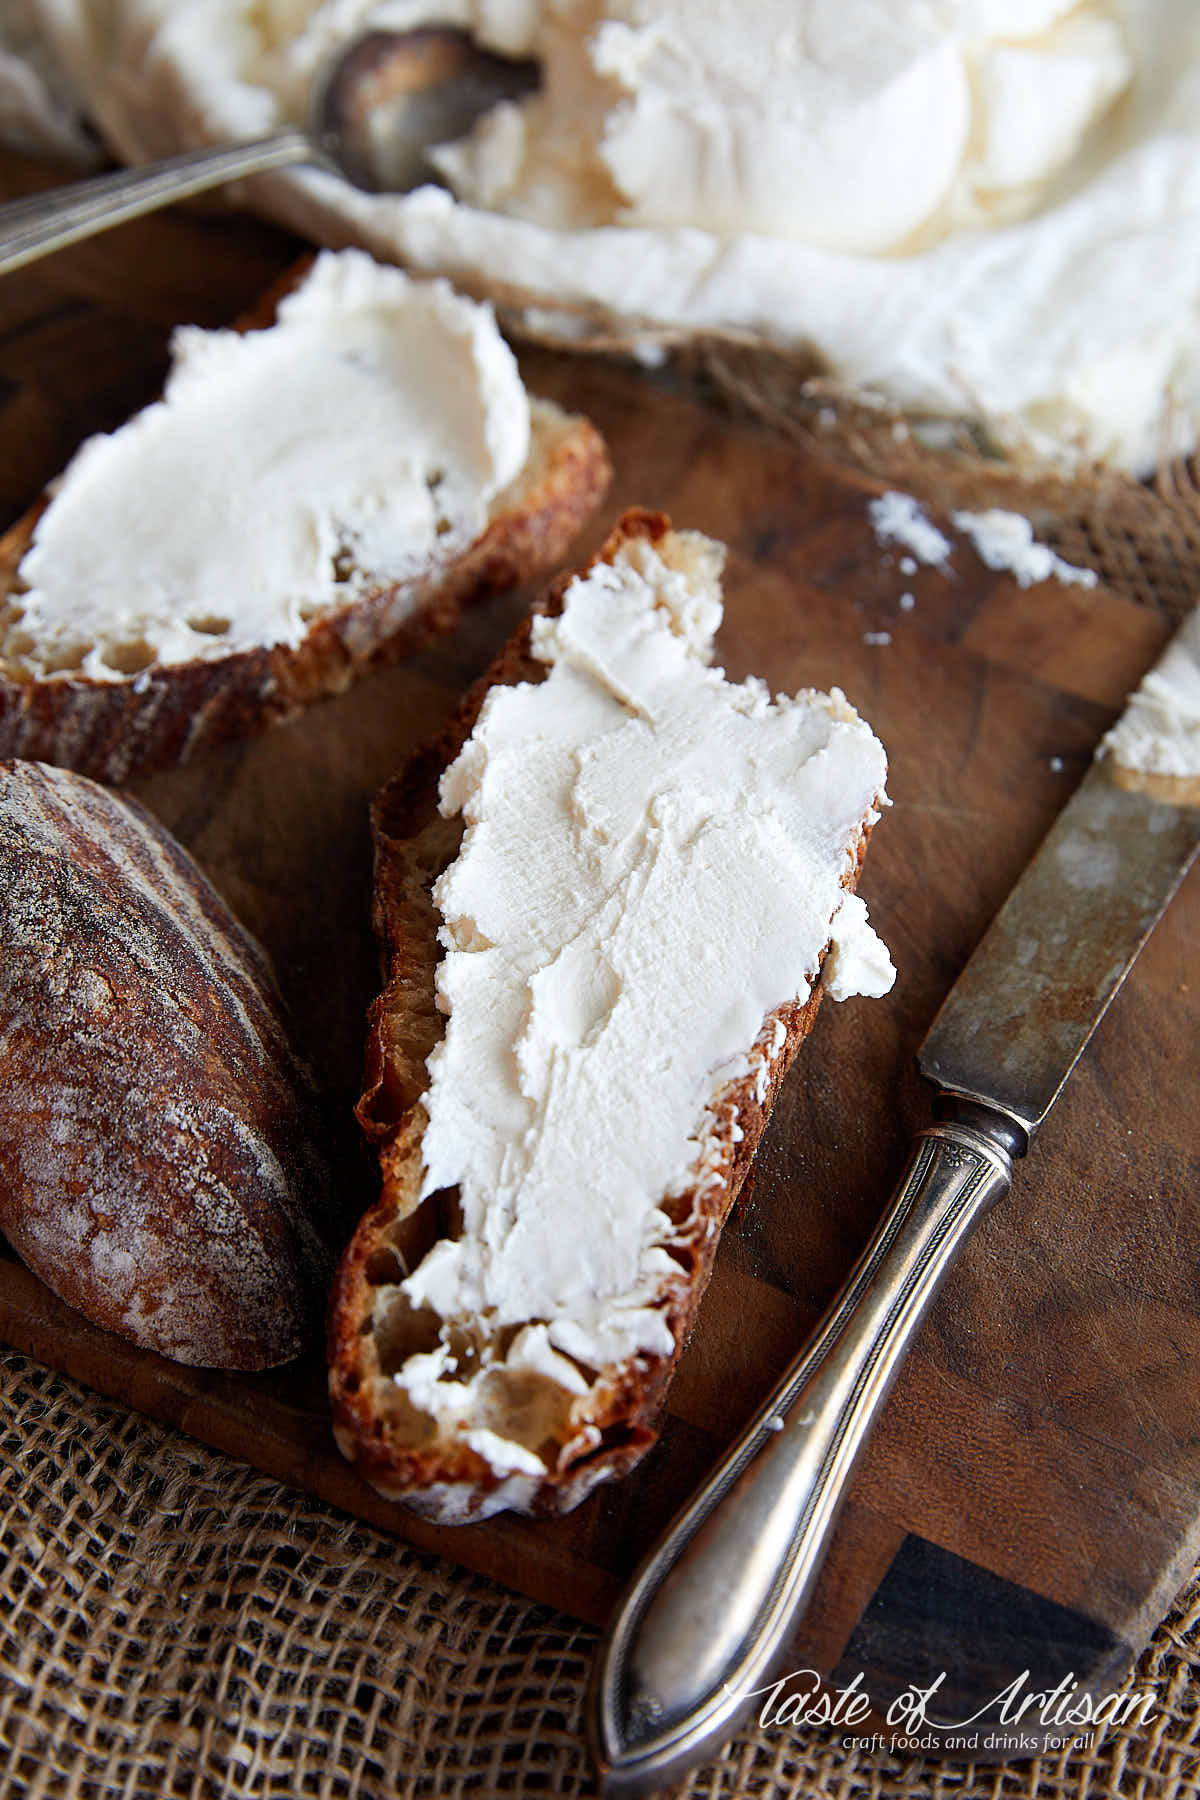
(679,1208)
(407,1239)
(66,660)
(526,1408)
(210,625)
(344,565)
(409,1030)
(401,1330)
(385,1267)
(19,645)
(129,658)
(435,849)
(448,1203)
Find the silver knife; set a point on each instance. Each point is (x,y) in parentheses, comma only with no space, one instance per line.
(711,1608)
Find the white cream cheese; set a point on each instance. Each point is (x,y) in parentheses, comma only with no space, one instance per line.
(682,114)
(898,519)
(1005,540)
(653,861)
(987,208)
(1159,731)
(1002,540)
(354,444)
(858,960)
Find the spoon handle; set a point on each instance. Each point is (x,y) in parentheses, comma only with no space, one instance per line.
(712,1607)
(32,228)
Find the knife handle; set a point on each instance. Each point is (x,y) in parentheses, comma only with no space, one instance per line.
(690,1649)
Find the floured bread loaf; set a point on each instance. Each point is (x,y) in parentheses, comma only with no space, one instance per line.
(593,993)
(161,1154)
(306,500)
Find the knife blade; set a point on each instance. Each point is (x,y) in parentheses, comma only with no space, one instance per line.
(1019,1016)
(713,1604)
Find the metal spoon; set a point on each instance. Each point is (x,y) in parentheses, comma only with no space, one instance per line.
(384,101)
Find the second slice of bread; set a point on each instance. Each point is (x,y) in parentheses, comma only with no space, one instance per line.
(153,714)
(572,1439)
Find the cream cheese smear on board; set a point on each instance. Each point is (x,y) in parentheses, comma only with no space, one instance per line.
(982,208)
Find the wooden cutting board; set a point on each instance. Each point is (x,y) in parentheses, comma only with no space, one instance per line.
(1032,1498)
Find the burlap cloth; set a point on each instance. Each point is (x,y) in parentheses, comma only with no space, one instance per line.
(175,1624)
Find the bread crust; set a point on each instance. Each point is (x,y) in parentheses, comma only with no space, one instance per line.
(168,712)
(605,1434)
(163,1165)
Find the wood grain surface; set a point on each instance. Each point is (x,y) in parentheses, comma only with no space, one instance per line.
(1032,1497)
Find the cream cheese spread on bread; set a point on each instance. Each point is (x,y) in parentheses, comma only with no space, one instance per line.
(982,208)
(654,859)
(357,442)
(1159,731)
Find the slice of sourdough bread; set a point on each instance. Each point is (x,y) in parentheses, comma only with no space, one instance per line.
(121,688)
(462,1381)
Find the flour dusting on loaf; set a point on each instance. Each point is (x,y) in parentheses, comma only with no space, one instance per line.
(162,1159)
(605,897)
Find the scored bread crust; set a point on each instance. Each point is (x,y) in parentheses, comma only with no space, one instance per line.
(371,1330)
(165,713)
(164,1160)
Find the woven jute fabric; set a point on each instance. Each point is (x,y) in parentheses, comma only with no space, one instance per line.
(175,1624)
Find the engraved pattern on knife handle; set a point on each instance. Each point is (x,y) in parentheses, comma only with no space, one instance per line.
(712,1606)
